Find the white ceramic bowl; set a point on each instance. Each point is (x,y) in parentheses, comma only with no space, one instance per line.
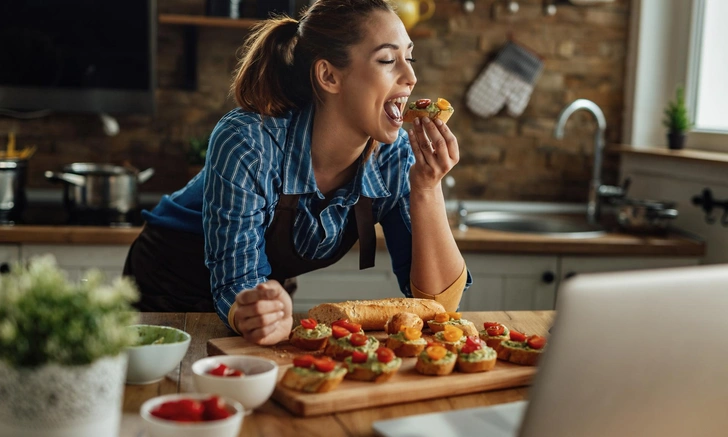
(251,390)
(157,427)
(151,362)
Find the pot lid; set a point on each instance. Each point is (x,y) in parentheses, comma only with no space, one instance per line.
(649,203)
(99,169)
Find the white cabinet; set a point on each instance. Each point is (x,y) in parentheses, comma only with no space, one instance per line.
(9,253)
(510,282)
(571,265)
(501,282)
(77,258)
(344,281)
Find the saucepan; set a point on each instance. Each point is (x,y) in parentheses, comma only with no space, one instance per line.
(100,187)
(645,216)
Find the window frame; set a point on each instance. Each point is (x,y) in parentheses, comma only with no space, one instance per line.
(694,63)
(659,58)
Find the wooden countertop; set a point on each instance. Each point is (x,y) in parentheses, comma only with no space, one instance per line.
(472,240)
(272,419)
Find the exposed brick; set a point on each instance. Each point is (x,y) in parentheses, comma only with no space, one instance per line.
(502,157)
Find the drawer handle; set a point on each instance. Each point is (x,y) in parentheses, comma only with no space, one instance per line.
(4,268)
(548,277)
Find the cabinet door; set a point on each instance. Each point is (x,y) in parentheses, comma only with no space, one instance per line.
(510,282)
(585,264)
(344,281)
(76,259)
(9,253)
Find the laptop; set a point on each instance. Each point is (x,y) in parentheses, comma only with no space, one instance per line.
(642,353)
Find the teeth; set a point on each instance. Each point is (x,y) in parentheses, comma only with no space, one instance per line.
(398,100)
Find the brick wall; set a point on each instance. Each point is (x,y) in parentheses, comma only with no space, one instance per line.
(503,158)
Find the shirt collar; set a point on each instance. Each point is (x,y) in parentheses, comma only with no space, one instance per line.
(298,167)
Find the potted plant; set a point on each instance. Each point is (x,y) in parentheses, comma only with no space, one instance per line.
(62,351)
(677,120)
(196,154)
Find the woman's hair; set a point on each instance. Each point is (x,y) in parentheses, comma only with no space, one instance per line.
(275,73)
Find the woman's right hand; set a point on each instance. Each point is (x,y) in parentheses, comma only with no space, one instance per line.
(264,314)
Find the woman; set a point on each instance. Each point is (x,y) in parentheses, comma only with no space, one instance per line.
(312,158)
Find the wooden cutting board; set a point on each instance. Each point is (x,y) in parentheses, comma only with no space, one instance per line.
(405,386)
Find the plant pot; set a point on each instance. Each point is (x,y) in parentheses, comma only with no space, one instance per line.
(63,401)
(675,140)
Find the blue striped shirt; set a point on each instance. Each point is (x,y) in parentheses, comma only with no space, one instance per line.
(250,161)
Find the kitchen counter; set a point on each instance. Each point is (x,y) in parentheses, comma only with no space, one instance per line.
(271,419)
(473,240)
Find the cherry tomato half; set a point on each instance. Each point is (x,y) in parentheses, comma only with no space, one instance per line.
(339,331)
(358,339)
(305,361)
(422,103)
(308,323)
(536,341)
(385,354)
(518,336)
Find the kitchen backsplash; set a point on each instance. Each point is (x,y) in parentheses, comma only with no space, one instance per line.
(502,157)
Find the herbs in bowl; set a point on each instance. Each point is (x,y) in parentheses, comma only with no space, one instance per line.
(157,351)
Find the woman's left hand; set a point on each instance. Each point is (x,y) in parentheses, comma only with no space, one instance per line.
(434,157)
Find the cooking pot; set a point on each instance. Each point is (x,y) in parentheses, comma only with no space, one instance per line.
(645,216)
(100,187)
(13,177)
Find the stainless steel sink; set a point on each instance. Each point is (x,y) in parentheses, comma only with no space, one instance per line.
(541,224)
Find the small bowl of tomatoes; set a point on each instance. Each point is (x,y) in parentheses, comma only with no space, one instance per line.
(192,415)
(248,379)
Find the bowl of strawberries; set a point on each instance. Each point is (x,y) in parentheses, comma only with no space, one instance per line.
(248,379)
(192,415)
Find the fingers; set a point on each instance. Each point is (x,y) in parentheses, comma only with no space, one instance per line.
(264,322)
(419,156)
(265,291)
(450,141)
(420,143)
(444,142)
(259,335)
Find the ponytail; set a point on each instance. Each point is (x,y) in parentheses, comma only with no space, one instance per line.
(275,73)
(262,81)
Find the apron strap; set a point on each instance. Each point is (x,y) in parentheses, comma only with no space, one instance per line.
(365,228)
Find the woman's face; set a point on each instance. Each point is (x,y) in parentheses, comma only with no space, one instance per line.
(380,78)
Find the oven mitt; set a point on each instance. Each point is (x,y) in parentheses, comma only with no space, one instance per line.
(508,80)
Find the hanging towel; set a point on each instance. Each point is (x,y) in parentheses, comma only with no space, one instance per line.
(508,80)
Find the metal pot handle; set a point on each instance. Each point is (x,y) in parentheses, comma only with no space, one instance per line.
(71,178)
(667,213)
(144,176)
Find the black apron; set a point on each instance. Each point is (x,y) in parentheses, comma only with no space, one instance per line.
(169,265)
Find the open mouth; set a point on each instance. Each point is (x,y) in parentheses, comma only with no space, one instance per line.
(395,107)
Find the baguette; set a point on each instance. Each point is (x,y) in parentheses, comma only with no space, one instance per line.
(403,320)
(372,315)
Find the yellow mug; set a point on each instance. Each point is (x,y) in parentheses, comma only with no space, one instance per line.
(410,11)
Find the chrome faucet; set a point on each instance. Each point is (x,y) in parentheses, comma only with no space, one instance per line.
(592,211)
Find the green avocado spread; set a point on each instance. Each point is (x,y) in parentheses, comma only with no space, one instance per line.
(519,345)
(440,336)
(371,345)
(486,353)
(448,358)
(400,337)
(319,331)
(373,364)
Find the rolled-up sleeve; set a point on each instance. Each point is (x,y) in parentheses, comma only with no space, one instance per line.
(397,223)
(233,215)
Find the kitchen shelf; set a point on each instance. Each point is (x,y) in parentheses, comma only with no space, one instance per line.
(205,21)
(191,24)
